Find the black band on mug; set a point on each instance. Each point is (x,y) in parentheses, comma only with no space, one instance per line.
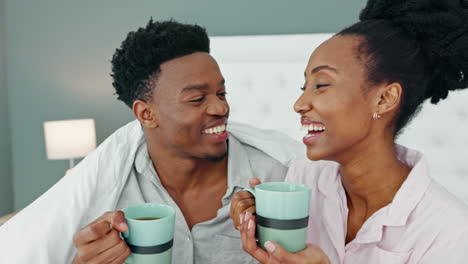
(152,249)
(282,224)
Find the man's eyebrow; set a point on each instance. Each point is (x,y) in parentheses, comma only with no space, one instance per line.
(322,67)
(195,87)
(204,86)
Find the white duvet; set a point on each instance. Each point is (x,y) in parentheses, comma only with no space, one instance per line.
(42,233)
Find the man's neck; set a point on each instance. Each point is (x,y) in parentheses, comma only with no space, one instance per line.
(196,185)
(179,174)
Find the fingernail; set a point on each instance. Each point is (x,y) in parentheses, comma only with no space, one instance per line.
(241,219)
(250,226)
(270,247)
(123,225)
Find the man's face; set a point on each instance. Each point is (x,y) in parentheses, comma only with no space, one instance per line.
(189,102)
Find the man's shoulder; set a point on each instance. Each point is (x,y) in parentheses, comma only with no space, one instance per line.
(309,172)
(257,156)
(115,154)
(264,166)
(130,131)
(268,145)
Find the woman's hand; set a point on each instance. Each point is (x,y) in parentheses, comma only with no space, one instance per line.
(242,202)
(275,253)
(312,254)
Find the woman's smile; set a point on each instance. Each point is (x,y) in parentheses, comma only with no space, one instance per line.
(314,130)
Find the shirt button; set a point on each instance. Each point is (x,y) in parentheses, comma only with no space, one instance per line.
(188,239)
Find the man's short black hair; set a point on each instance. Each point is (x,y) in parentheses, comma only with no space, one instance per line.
(137,62)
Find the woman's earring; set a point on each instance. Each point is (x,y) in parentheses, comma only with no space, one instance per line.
(375,116)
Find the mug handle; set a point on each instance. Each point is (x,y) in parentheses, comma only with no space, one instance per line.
(126,233)
(250,190)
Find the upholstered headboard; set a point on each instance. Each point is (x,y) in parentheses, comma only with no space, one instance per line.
(264,74)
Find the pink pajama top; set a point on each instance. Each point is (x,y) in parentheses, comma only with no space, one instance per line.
(423,224)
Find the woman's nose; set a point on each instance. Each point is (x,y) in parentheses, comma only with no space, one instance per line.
(302,104)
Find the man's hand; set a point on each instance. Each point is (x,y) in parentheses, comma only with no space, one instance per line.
(242,202)
(275,253)
(100,242)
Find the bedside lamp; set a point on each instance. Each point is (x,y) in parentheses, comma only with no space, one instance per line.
(69,139)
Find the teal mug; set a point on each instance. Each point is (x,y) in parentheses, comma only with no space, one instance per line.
(282,210)
(150,233)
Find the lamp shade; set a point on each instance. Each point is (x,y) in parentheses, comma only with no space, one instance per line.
(69,139)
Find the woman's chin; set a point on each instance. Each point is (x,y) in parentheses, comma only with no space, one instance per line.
(313,155)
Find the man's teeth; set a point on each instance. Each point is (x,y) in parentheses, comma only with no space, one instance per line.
(313,127)
(215,130)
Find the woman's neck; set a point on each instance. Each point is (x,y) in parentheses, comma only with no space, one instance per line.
(372,179)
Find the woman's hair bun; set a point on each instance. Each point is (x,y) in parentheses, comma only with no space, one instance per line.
(441,28)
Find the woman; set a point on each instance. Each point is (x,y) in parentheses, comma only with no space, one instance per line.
(372,200)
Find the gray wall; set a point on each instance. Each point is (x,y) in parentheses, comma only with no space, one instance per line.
(59,51)
(6,194)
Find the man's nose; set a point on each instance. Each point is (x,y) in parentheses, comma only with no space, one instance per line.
(218,107)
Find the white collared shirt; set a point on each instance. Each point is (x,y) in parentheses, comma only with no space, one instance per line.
(423,224)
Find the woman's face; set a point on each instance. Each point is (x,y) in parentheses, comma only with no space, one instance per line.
(334,109)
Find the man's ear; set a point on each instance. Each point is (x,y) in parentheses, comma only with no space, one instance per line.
(389,98)
(145,114)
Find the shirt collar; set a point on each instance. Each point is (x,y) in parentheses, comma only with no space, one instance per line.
(144,165)
(239,170)
(405,201)
(406,198)
(142,159)
(412,190)
(329,181)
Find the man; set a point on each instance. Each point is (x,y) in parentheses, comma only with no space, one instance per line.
(178,153)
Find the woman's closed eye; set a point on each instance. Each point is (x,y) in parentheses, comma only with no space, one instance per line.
(317,86)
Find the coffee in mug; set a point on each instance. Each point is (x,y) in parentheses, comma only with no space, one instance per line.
(147,218)
(150,233)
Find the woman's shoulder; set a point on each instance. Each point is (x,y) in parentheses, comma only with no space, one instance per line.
(440,199)
(437,204)
(443,210)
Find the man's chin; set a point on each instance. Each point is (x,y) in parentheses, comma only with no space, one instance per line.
(216,158)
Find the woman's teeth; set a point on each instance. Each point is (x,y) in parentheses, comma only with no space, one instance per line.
(313,128)
(215,130)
